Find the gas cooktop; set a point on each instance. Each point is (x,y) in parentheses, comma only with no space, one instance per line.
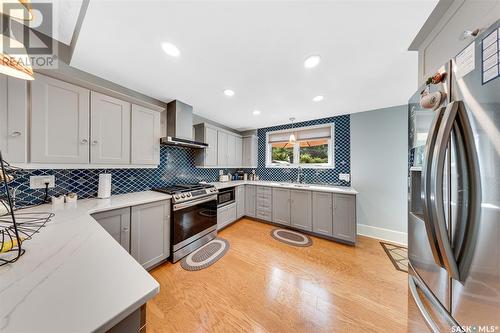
(185,192)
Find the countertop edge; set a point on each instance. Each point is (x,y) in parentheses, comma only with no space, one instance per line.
(312,187)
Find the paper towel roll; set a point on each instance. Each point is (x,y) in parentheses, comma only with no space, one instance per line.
(104,190)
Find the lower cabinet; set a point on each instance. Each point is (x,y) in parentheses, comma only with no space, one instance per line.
(150,233)
(117,224)
(344,217)
(226,215)
(301,209)
(240,201)
(250,193)
(264,203)
(143,230)
(323,213)
(281,206)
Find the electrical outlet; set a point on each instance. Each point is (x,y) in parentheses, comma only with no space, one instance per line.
(345,176)
(40,181)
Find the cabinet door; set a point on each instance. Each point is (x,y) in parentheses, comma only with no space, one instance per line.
(222,148)
(301,209)
(322,213)
(281,206)
(59,122)
(249,154)
(13,116)
(145,136)
(211,150)
(344,217)
(117,224)
(240,201)
(110,130)
(222,217)
(250,200)
(239,152)
(231,150)
(150,238)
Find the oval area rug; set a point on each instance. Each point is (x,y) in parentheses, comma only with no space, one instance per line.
(206,255)
(291,237)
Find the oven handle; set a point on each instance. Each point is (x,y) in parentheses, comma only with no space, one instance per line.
(194,202)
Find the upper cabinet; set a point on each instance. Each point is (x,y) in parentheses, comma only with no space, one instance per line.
(73,125)
(225,148)
(250,151)
(59,122)
(13,118)
(109,130)
(145,136)
(208,156)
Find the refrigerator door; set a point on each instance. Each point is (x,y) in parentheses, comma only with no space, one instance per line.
(476,295)
(423,250)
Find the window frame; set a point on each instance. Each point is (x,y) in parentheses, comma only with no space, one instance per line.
(296,149)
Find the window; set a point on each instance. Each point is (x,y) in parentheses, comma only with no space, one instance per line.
(313,147)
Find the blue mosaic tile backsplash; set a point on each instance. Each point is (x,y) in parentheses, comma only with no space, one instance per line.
(330,176)
(177,166)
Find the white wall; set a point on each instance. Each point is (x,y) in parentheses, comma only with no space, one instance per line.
(379,145)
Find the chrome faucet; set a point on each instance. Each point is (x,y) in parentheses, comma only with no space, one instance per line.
(300,175)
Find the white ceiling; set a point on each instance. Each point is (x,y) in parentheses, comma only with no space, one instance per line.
(257,49)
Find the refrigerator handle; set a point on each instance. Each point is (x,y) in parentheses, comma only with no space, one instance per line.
(430,146)
(437,175)
(413,284)
(466,237)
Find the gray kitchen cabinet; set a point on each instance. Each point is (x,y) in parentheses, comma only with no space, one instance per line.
(207,156)
(117,224)
(226,215)
(110,130)
(222,154)
(344,217)
(240,201)
(150,233)
(249,151)
(238,161)
(264,203)
(59,122)
(145,136)
(281,206)
(250,192)
(322,213)
(231,150)
(13,118)
(301,209)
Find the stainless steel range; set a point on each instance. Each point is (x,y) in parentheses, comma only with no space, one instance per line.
(194,217)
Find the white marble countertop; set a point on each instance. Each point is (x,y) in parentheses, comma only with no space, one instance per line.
(74,277)
(310,187)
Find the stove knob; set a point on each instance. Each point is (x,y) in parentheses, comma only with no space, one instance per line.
(183,195)
(176,197)
(188,195)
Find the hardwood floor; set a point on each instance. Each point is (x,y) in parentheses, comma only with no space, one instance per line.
(262,285)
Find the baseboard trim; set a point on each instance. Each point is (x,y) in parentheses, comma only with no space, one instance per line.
(383,234)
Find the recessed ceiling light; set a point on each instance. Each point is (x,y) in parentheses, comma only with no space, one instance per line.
(318,98)
(170,49)
(256,112)
(229,92)
(312,61)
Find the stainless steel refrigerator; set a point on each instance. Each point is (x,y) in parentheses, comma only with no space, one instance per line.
(454,195)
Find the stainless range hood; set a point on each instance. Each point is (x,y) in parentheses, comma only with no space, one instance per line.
(180,126)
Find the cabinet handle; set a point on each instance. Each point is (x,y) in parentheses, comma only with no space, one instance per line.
(125,229)
(16,133)
(95,142)
(84,141)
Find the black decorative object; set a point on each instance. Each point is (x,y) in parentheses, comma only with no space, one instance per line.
(15,227)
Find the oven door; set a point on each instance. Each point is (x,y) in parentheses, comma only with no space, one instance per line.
(192,220)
